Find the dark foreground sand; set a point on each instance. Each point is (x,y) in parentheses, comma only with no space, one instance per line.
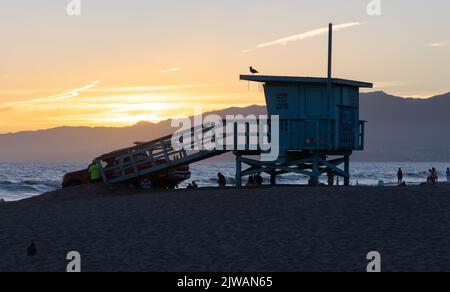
(268,229)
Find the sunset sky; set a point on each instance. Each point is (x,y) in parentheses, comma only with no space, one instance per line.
(121,62)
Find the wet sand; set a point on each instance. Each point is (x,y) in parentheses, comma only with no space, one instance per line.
(259,230)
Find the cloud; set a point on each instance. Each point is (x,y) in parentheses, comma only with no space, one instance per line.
(306,35)
(58,97)
(439,45)
(5,109)
(171,70)
(153,88)
(163,88)
(66,95)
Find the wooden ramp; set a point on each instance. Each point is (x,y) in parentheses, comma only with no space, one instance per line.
(153,157)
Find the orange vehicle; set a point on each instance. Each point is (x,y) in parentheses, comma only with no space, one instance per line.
(154,164)
(167,179)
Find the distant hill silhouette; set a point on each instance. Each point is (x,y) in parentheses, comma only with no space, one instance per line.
(81,144)
(402,129)
(399,129)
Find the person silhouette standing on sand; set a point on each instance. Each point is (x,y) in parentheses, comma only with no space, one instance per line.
(435,175)
(259,180)
(251,182)
(222,180)
(400,176)
(330,176)
(94,172)
(448,174)
(431,178)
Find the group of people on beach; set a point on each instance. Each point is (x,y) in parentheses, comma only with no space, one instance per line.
(432,179)
(257,180)
(192,186)
(253,180)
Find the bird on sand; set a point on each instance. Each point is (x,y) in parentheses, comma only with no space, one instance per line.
(253,70)
(32,250)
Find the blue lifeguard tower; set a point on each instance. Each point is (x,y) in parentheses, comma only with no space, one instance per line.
(320,125)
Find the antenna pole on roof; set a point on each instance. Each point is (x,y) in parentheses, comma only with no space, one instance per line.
(330,52)
(330,69)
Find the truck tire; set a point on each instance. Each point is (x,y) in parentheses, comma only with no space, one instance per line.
(145,184)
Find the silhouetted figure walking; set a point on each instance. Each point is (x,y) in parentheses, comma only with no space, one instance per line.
(330,176)
(251,182)
(258,179)
(431,178)
(448,174)
(400,176)
(253,70)
(435,175)
(32,250)
(222,180)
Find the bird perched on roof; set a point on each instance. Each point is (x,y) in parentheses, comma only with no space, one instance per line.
(32,250)
(253,70)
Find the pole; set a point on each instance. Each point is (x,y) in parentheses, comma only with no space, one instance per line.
(347,170)
(238,170)
(315,171)
(330,102)
(273,178)
(330,53)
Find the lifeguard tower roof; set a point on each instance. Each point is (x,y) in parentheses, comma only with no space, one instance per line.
(316,114)
(306,80)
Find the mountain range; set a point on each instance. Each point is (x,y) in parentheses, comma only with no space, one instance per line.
(398,129)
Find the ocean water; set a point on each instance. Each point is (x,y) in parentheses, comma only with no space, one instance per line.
(19,181)
(363,173)
(23,180)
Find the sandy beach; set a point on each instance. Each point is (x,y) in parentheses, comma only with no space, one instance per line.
(259,230)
